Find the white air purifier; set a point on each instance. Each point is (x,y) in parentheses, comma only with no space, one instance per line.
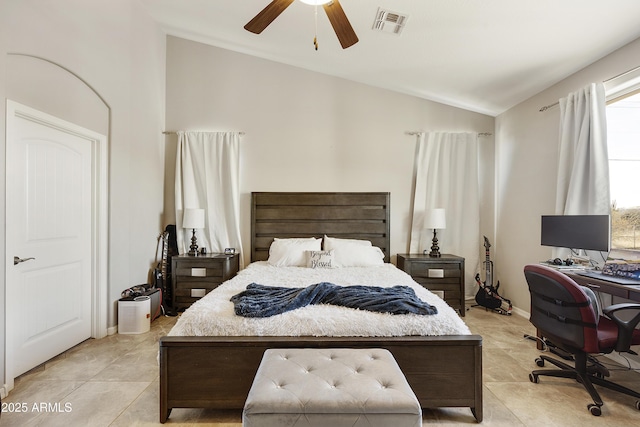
(134,317)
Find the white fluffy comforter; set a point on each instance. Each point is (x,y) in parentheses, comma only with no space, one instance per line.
(213,315)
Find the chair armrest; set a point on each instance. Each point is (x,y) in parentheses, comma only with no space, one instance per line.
(625,328)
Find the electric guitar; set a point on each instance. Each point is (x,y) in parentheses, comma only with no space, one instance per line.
(487,296)
(162,279)
(163,271)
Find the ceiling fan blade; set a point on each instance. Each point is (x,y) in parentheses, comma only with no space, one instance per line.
(267,16)
(341,24)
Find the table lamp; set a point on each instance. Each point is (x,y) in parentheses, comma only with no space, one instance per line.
(435,219)
(193,218)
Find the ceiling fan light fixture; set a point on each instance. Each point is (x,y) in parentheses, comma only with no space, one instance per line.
(338,19)
(316,2)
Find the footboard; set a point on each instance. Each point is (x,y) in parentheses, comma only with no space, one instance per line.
(217,372)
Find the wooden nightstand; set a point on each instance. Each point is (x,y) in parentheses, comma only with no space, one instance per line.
(195,276)
(445,274)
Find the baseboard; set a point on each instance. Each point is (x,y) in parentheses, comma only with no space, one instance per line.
(112,330)
(520,312)
(3,391)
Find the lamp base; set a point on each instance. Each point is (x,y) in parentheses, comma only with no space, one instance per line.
(193,249)
(435,249)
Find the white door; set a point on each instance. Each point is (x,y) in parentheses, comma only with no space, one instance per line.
(50,248)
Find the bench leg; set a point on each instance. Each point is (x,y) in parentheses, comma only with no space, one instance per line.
(164,414)
(477,412)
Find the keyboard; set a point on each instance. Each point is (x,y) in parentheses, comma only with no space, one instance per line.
(607,278)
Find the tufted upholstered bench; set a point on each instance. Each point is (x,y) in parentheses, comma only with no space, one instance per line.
(330,387)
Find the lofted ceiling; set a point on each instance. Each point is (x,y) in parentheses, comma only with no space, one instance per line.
(481,55)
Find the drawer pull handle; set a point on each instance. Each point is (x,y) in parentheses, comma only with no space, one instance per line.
(199,272)
(437,273)
(438,293)
(198,293)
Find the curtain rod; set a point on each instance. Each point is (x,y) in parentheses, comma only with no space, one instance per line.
(420,133)
(172,132)
(546,107)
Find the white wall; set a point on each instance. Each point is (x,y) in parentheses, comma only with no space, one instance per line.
(307,131)
(119,52)
(526,162)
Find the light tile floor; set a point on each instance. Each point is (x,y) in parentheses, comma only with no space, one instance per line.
(114,382)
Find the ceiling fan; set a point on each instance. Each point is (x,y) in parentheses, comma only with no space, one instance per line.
(343,29)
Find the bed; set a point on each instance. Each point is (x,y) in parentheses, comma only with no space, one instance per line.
(205,369)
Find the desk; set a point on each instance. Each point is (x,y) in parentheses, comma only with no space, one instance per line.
(630,292)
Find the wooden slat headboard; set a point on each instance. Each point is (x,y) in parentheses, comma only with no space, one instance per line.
(343,215)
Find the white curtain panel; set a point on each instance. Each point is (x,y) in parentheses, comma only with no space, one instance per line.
(446,176)
(583,161)
(207,177)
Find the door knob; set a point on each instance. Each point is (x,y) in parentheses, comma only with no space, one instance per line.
(18,260)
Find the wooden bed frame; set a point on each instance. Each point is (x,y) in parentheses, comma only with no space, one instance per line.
(217,372)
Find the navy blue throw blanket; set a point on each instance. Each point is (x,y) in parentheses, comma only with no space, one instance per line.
(265,301)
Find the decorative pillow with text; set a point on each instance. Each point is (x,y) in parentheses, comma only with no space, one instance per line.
(320,259)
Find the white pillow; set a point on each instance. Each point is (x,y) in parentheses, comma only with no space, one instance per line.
(320,259)
(291,252)
(334,242)
(357,255)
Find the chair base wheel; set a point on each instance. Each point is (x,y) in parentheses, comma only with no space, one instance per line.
(540,362)
(595,410)
(638,405)
(534,378)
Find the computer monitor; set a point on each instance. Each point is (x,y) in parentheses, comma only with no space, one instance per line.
(587,232)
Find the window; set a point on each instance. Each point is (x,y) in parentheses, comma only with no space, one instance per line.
(623,136)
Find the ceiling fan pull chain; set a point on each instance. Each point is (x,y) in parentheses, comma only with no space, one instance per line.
(315,38)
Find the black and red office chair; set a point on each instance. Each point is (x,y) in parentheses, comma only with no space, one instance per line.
(564,314)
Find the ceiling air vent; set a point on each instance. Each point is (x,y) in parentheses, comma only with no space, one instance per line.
(389,22)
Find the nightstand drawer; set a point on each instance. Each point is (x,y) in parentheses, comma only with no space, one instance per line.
(193,270)
(435,270)
(449,287)
(190,295)
(185,282)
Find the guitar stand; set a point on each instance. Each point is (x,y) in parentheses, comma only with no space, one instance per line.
(495,310)
(168,311)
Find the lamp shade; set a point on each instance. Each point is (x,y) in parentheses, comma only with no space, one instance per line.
(193,218)
(435,219)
